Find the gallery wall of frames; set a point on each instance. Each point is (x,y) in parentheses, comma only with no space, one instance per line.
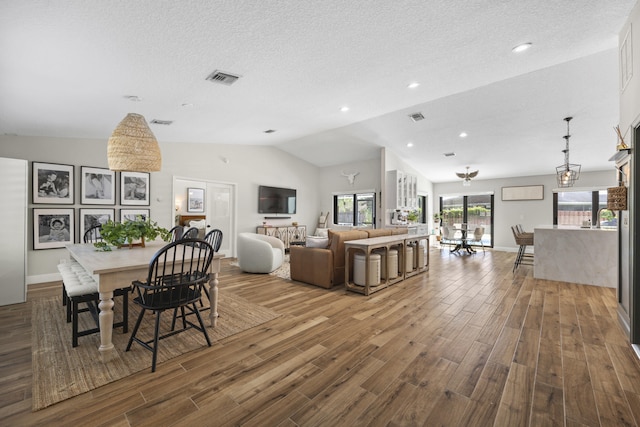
(105,193)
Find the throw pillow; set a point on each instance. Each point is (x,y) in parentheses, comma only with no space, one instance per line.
(198,224)
(317,242)
(322,232)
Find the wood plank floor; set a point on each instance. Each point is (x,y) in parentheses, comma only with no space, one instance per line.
(466,344)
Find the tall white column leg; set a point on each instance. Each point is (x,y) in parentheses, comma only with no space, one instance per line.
(106,323)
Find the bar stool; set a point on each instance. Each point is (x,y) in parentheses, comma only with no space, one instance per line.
(522,239)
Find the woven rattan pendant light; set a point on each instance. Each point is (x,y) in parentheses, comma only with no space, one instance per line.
(133,147)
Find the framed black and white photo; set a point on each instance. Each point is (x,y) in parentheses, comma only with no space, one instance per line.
(92,217)
(134,188)
(53,228)
(134,214)
(98,186)
(52,183)
(195,200)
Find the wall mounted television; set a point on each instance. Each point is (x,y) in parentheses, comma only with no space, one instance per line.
(276,200)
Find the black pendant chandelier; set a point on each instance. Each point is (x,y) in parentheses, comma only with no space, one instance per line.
(568,173)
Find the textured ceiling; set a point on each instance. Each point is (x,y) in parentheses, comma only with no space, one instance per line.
(67,65)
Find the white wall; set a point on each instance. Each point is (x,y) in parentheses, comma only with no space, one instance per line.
(529,213)
(425,187)
(331,181)
(630,97)
(247,167)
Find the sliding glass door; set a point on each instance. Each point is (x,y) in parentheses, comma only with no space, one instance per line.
(475,211)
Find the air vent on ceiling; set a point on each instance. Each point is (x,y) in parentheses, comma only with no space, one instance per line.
(161,122)
(416,117)
(223,78)
(449,154)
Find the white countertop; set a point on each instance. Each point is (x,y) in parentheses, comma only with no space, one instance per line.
(573,228)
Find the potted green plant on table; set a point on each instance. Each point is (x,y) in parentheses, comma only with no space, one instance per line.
(131,233)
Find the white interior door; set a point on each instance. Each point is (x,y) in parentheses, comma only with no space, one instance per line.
(220,214)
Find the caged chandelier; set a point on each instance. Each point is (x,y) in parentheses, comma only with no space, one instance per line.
(568,173)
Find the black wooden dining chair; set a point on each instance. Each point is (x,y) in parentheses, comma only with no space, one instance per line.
(176,233)
(92,235)
(175,278)
(214,238)
(190,233)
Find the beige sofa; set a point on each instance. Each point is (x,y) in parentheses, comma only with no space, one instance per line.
(324,267)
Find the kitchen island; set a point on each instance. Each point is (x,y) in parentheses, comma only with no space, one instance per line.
(587,256)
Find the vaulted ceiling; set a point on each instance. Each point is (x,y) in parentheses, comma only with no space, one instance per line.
(68,68)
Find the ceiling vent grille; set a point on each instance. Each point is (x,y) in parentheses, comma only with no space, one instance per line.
(449,154)
(161,122)
(223,78)
(416,117)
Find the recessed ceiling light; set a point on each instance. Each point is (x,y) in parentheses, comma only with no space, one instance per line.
(133,98)
(409,144)
(187,105)
(521,47)
(413,85)
(269,131)
(463,135)
(344,109)
(449,154)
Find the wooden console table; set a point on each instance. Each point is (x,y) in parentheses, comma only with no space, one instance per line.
(385,243)
(289,234)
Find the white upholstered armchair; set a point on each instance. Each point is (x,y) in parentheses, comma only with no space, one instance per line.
(258,253)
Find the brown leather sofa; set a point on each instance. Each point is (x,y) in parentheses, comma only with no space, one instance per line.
(324,267)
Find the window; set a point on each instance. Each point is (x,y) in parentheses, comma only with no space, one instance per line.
(475,211)
(355,209)
(423,202)
(574,207)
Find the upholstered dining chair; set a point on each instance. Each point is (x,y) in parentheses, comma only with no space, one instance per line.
(174,282)
(478,233)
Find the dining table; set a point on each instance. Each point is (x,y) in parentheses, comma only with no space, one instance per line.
(117,269)
(463,244)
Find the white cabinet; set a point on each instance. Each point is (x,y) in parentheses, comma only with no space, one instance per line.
(13,254)
(402,190)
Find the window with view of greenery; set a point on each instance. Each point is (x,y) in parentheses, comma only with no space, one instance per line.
(475,211)
(355,209)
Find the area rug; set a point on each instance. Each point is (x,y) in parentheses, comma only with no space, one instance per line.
(284,271)
(61,371)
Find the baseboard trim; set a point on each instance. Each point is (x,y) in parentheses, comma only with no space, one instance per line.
(43,278)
